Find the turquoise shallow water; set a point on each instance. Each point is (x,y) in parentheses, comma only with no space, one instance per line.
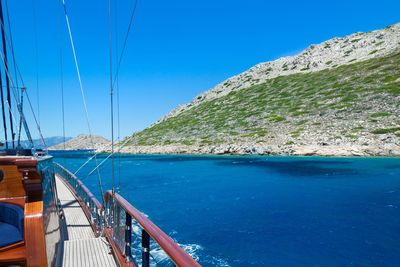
(266,211)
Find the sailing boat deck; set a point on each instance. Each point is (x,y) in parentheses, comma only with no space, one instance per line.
(80,246)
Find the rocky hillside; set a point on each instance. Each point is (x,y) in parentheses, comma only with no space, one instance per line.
(340,97)
(84,141)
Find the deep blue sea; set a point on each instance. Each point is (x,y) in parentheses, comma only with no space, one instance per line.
(265,211)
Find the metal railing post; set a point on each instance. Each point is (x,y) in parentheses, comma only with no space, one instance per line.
(145,249)
(128,236)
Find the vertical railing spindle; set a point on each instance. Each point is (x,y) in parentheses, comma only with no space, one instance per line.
(145,249)
(128,236)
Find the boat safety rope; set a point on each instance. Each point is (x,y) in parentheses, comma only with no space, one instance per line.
(81,89)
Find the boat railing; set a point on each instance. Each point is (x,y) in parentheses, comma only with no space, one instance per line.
(89,203)
(128,222)
(135,239)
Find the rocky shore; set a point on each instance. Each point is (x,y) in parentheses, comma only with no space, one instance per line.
(388,149)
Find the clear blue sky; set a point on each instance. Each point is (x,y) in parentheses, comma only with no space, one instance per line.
(176,50)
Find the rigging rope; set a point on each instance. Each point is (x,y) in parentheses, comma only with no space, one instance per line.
(11,112)
(36,59)
(21,111)
(62,83)
(111,95)
(104,160)
(126,38)
(10,46)
(19,104)
(15,71)
(36,121)
(3,112)
(133,12)
(118,106)
(62,98)
(11,43)
(81,89)
(3,37)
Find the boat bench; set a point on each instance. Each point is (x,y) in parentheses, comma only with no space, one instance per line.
(11,224)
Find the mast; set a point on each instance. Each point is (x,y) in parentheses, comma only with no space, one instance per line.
(3,112)
(3,37)
(111,96)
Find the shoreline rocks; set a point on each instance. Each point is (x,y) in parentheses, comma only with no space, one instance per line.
(389,150)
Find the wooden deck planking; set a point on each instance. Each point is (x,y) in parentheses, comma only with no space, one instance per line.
(78,226)
(87,253)
(81,248)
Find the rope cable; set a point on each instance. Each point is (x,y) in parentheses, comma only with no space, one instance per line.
(11,44)
(34,117)
(119,147)
(4,44)
(3,112)
(103,161)
(20,109)
(23,89)
(111,95)
(119,62)
(62,83)
(35,33)
(126,39)
(82,91)
(118,103)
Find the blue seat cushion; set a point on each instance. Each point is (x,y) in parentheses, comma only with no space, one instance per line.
(9,234)
(11,224)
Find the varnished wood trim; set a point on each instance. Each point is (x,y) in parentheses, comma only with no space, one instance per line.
(12,246)
(34,235)
(12,185)
(19,201)
(13,256)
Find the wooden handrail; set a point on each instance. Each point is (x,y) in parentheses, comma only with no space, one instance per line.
(177,254)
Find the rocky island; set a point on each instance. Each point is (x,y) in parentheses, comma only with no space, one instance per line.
(84,142)
(337,98)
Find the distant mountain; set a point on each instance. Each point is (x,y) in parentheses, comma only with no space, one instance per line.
(84,141)
(50,141)
(340,97)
